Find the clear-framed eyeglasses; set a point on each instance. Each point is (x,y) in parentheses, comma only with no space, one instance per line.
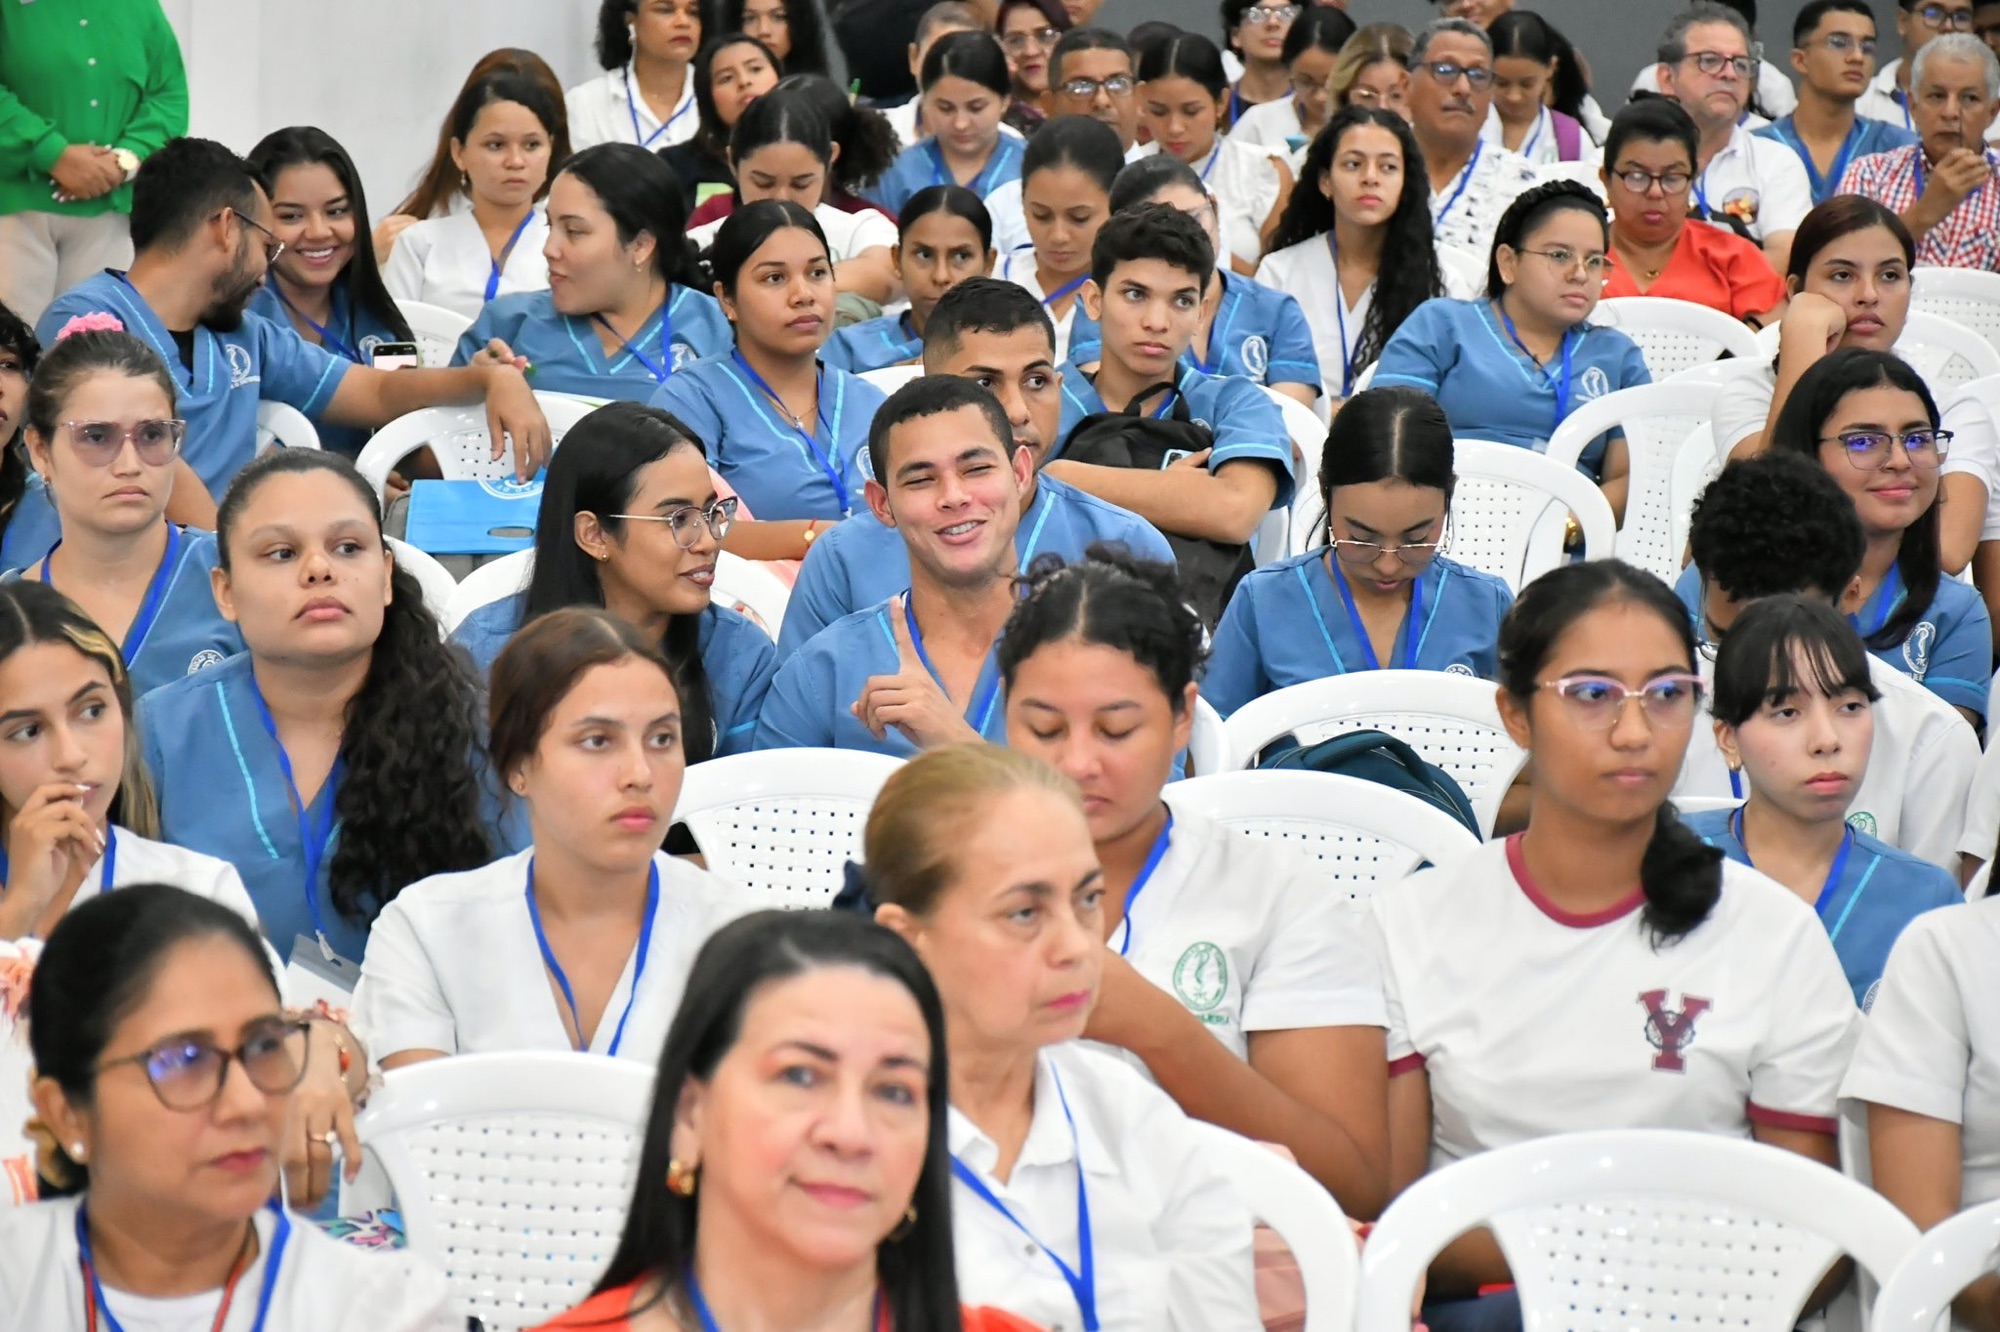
(687,522)
(1598,701)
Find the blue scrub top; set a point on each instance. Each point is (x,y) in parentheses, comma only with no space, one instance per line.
(1868,136)
(565,355)
(222,793)
(1242,417)
(1259,333)
(1286,624)
(232,371)
(922,165)
(1880,890)
(809,702)
(873,344)
(760,454)
(1460,354)
(355,336)
(861,563)
(736,655)
(188,634)
(31,528)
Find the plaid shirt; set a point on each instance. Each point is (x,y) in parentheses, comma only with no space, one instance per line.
(1969,237)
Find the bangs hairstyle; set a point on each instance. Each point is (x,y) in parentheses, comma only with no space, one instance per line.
(745,230)
(439,184)
(1386,434)
(953,199)
(641,193)
(1532,209)
(973,56)
(1651,120)
(1083,142)
(1783,647)
(1109,598)
(539,666)
(867,141)
(713,135)
(1841,216)
(1187,55)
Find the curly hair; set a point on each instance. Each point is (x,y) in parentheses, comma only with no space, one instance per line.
(1114,599)
(1776,524)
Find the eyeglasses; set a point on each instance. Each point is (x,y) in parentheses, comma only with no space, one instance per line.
(1597,702)
(1449,71)
(1841,43)
(1714,62)
(1270,14)
(1937,16)
(1118,85)
(1641,182)
(100,442)
(1413,554)
(273,247)
(1021,41)
(1567,260)
(687,522)
(187,1072)
(1870,450)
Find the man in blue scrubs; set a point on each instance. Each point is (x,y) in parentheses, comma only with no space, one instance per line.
(996,334)
(201,227)
(919,670)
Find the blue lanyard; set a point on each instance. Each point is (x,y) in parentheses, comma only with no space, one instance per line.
(707,1316)
(984,706)
(632,108)
(313,836)
(1902,101)
(156,595)
(507,250)
(1082,1278)
(830,467)
(1412,620)
(106,873)
(1528,148)
(94,1296)
(326,336)
(1833,871)
(1214,155)
(1887,597)
(1340,313)
(1562,385)
(1144,877)
(1464,179)
(638,966)
(1821,184)
(659,373)
(1065,289)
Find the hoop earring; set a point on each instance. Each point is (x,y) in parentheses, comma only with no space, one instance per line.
(680,1178)
(904,1227)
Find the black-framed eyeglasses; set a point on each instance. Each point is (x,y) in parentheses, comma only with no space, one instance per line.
(1021,41)
(1449,72)
(1118,85)
(1642,182)
(1940,17)
(1598,701)
(273,247)
(1870,450)
(1714,62)
(187,1072)
(100,442)
(687,522)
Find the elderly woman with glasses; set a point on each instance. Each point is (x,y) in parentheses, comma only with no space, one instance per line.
(1028,31)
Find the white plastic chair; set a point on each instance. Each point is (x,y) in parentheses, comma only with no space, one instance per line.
(1452,720)
(1208,742)
(1675,335)
(458,438)
(747,586)
(1703,804)
(436,581)
(1947,1258)
(513,1171)
(1278,535)
(437,330)
(1720,372)
(1509,511)
(1694,467)
(1637,1229)
(490,582)
(1364,835)
(281,425)
(1462,267)
(1365,379)
(1968,297)
(1293,1203)
(784,820)
(1657,420)
(1950,354)
(892,377)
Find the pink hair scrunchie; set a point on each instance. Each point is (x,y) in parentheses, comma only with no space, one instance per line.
(98,321)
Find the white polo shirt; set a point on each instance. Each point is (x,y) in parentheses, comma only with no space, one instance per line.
(847,234)
(1757,180)
(1009,215)
(603,110)
(453,965)
(1170,1237)
(1244,180)
(1466,212)
(1982,807)
(1931,1045)
(444,261)
(1271,125)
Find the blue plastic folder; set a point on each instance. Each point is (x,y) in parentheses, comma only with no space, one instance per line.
(474,517)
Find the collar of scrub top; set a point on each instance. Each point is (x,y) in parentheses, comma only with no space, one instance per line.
(345,348)
(1788,131)
(638,964)
(1412,618)
(829,466)
(313,835)
(1833,871)
(506,253)
(645,140)
(93,1289)
(665,317)
(149,608)
(1561,385)
(983,707)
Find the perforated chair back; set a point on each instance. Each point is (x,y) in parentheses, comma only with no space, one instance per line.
(513,1172)
(1451,720)
(281,425)
(1968,297)
(785,821)
(1947,1258)
(459,440)
(1293,1203)
(490,582)
(1694,467)
(437,331)
(1208,742)
(1509,510)
(439,587)
(1649,1229)
(1949,353)
(1675,335)
(1658,420)
(892,377)
(750,588)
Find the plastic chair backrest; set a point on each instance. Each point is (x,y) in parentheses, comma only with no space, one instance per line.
(513,1172)
(1950,1256)
(1949,353)
(437,329)
(747,586)
(1638,1228)
(439,587)
(1694,467)
(1463,268)
(1703,804)
(1968,297)
(892,377)
(459,440)
(1208,742)
(281,425)
(490,582)
(1675,335)
(1657,420)
(786,821)
(1507,514)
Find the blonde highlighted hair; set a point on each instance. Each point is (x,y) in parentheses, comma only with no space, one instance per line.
(1371,45)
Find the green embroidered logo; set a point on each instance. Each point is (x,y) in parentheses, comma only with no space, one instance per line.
(1862,821)
(1201,977)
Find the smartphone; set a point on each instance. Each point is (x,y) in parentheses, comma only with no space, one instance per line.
(396,355)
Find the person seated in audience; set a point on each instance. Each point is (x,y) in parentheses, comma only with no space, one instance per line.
(1257,73)
(1779,525)
(1793,708)
(1605,896)
(630,521)
(1101,660)
(1379,592)
(1183,102)
(588,729)
(730,72)
(1091,73)
(646,95)
(28,523)
(1048,1137)
(774,277)
(325,283)
(1066,178)
(1028,31)
(1772,95)
(918,670)
(1917,23)
(864,142)
(965,90)
(1539,88)
(103,436)
(944,237)
(794,32)
(169,1083)
(1287,124)
(1149,268)
(1649,158)
(1373,70)
(627,302)
(1511,368)
(792,1020)
(503,137)
(946,16)
(1833,50)
(201,227)
(1942,186)
(348,709)
(1472,182)
(1753,187)
(1359,192)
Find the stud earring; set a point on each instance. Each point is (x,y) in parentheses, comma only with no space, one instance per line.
(76,1152)
(905,1226)
(680,1178)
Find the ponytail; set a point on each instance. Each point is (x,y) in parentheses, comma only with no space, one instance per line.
(1681,876)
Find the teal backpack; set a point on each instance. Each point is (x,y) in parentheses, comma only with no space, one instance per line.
(1377,756)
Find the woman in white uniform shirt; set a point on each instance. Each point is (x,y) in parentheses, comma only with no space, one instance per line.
(504,129)
(1129,1225)
(646,95)
(1183,103)
(1644,982)
(1312,44)
(583,941)
(166,1072)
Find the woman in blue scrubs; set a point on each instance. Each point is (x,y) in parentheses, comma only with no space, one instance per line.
(966,88)
(336,760)
(1379,594)
(630,521)
(1792,707)
(627,303)
(103,435)
(945,237)
(27,520)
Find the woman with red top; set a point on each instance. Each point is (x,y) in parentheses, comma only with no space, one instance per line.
(795,1171)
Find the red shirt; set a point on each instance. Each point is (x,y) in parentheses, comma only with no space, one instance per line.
(1710,267)
(607,1313)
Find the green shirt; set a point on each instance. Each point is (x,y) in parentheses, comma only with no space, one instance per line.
(106,72)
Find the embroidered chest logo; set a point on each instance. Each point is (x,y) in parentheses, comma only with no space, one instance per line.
(241,370)
(1917,648)
(1592,384)
(1862,821)
(204,659)
(1256,355)
(1201,977)
(683,355)
(1459,668)
(1671,1030)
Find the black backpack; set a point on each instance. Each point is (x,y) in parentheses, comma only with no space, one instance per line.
(1377,756)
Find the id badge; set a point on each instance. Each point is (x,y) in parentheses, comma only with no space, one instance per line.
(311,976)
